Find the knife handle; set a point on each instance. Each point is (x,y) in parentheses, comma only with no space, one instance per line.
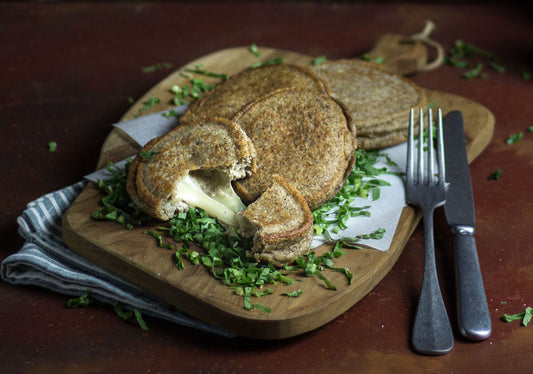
(472,308)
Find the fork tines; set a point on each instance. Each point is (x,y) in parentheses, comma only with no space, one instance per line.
(425,141)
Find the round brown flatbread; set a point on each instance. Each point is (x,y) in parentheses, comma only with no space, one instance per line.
(304,136)
(228,97)
(378,100)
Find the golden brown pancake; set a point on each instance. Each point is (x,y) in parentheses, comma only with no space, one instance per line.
(304,136)
(378,100)
(228,97)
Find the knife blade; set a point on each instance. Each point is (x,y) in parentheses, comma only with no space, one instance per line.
(472,308)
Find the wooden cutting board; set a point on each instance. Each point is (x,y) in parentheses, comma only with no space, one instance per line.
(135,257)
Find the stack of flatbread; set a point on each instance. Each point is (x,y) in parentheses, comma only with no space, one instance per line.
(378,100)
(270,144)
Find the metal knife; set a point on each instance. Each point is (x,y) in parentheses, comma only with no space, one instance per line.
(472,308)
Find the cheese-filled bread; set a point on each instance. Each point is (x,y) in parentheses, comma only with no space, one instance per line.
(192,165)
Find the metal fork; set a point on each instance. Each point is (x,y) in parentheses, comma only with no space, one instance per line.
(432,332)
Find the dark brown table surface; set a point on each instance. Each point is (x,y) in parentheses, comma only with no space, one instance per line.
(67,73)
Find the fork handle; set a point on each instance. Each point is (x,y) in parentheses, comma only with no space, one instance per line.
(472,308)
(432,332)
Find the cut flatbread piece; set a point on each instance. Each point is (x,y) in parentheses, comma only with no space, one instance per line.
(192,165)
(280,223)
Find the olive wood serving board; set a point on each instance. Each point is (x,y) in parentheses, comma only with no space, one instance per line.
(135,256)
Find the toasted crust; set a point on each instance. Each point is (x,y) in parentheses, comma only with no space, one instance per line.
(378,100)
(281,224)
(302,135)
(217,144)
(228,97)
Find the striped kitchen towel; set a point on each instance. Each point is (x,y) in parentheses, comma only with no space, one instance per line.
(45,261)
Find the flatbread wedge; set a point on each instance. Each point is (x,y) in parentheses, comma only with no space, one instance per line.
(280,223)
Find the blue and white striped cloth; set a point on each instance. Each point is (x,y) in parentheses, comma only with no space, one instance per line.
(45,261)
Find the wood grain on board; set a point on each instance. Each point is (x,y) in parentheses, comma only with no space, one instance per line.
(135,257)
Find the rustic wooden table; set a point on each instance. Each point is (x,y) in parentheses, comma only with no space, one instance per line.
(68,71)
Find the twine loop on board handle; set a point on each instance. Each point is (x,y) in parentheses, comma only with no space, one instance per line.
(424,38)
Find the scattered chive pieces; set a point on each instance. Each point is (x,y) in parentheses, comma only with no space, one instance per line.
(293,293)
(126,315)
(52,146)
(155,67)
(497,67)
(199,69)
(525,316)
(171,113)
(530,129)
(514,138)
(159,240)
(377,60)
(194,90)
(276,60)
(147,155)
(362,182)
(255,50)
(116,203)
(82,301)
(475,72)
(526,75)
(149,103)
(495,175)
(319,60)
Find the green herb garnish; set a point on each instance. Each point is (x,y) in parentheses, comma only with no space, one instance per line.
(52,146)
(199,69)
(377,60)
(155,67)
(117,203)
(82,301)
(362,183)
(277,60)
(126,315)
(475,72)
(147,155)
(295,293)
(461,54)
(149,103)
(495,175)
(514,138)
(171,113)
(319,60)
(525,316)
(159,239)
(190,92)
(255,50)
